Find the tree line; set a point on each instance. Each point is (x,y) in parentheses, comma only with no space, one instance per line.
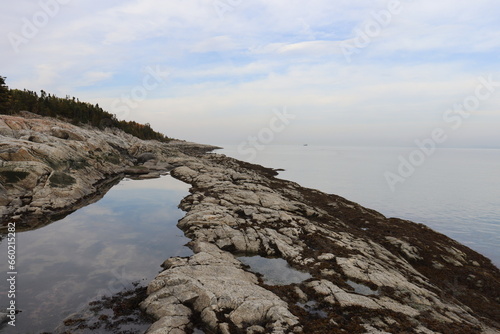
(71,109)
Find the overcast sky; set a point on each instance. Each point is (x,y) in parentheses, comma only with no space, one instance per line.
(340,72)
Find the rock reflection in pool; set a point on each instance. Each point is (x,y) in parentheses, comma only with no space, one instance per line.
(97,250)
(274,271)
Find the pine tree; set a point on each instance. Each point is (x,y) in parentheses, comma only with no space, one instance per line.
(70,109)
(4,97)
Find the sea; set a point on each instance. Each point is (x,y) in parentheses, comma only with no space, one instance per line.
(453,191)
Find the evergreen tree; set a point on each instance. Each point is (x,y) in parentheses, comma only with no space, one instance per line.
(4,97)
(69,109)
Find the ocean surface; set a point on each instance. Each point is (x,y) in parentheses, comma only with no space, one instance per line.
(453,191)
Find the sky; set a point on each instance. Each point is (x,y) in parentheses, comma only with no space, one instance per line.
(321,72)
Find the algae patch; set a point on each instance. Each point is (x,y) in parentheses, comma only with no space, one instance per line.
(10,176)
(61,180)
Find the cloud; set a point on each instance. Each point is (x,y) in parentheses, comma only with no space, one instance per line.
(227,73)
(46,74)
(91,78)
(214,44)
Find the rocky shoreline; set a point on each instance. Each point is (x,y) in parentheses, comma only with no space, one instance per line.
(425,282)
(419,281)
(50,168)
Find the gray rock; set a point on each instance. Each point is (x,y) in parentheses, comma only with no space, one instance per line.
(59,133)
(212,283)
(58,164)
(142,158)
(237,210)
(136,170)
(3,317)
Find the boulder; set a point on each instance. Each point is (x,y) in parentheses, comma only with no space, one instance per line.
(142,158)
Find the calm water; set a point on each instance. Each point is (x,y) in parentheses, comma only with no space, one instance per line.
(98,250)
(274,271)
(455,191)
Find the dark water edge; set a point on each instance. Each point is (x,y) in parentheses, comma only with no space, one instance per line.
(109,249)
(119,314)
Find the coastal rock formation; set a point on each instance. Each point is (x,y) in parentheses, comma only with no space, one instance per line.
(366,273)
(212,285)
(370,274)
(49,168)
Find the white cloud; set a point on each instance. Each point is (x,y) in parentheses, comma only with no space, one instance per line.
(228,73)
(46,74)
(217,44)
(91,78)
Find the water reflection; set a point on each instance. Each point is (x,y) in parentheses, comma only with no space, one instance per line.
(362,289)
(274,271)
(98,250)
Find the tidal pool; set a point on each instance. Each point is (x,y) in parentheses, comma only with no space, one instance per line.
(274,271)
(96,251)
(362,289)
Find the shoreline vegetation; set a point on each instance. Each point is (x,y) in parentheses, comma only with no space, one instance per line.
(71,110)
(420,281)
